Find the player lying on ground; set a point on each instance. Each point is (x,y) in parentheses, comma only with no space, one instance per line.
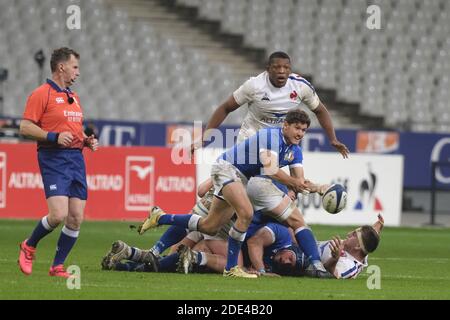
(194,252)
(342,258)
(271,250)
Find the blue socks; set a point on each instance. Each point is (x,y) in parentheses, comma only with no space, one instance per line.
(169,263)
(66,241)
(186,221)
(307,243)
(180,220)
(172,236)
(42,229)
(235,240)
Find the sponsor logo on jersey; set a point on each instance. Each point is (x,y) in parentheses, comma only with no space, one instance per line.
(289,156)
(266,97)
(293,95)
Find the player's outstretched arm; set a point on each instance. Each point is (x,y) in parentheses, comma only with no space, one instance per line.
(216,120)
(378,226)
(324,118)
(269,161)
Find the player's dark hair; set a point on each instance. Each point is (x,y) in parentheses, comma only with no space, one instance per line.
(297,116)
(61,55)
(370,238)
(278,54)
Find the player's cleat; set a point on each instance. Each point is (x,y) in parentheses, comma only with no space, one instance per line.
(317,270)
(58,271)
(152,220)
(151,261)
(187,259)
(26,257)
(237,272)
(119,251)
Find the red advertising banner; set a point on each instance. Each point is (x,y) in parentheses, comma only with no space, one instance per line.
(123,183)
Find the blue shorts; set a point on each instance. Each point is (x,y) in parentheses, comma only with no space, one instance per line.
(63,173)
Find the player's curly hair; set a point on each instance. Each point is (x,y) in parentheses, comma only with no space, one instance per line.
(298,116)
(62,55)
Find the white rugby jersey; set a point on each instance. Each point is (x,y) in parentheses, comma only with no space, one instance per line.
(347,266)
(268,105)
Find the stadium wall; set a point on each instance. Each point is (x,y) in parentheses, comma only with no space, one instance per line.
(374,185)
(123,183)
(418,149)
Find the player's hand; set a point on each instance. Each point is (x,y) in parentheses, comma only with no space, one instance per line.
(378,226)
(269,274)
(336,247)
(91,142)
(342,148)
(292,194)
(380,219)
(301,187)
(196,145)
(65,138)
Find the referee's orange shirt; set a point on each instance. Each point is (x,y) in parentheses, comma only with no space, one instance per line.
(49,108)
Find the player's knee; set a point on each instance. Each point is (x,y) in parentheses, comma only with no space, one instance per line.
(206,227)
(245,217)
(55,218)
(296,220)
(74,221)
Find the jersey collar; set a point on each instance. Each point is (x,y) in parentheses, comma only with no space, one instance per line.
(56,87)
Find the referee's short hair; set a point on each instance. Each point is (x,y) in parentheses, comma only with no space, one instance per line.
(62,55)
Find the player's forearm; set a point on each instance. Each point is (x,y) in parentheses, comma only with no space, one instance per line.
(291,182)
(255,253)
(378,226)
(324,118)
(216,119)
(29,130)
(220,114)
(319,188)
(330,265)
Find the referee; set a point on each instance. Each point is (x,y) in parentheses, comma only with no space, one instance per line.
(54,118)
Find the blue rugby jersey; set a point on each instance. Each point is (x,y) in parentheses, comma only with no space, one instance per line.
(245,155)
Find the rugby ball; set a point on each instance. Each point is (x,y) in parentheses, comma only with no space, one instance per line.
(334,199)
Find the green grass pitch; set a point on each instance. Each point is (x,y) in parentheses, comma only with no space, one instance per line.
(414,264)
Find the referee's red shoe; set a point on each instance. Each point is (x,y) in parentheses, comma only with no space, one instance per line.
(26,257)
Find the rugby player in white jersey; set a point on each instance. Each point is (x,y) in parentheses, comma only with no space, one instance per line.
(270,96)
(272,249)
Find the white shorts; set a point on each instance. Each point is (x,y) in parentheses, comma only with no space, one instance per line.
(223,173)
(196,236)
(265,196)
